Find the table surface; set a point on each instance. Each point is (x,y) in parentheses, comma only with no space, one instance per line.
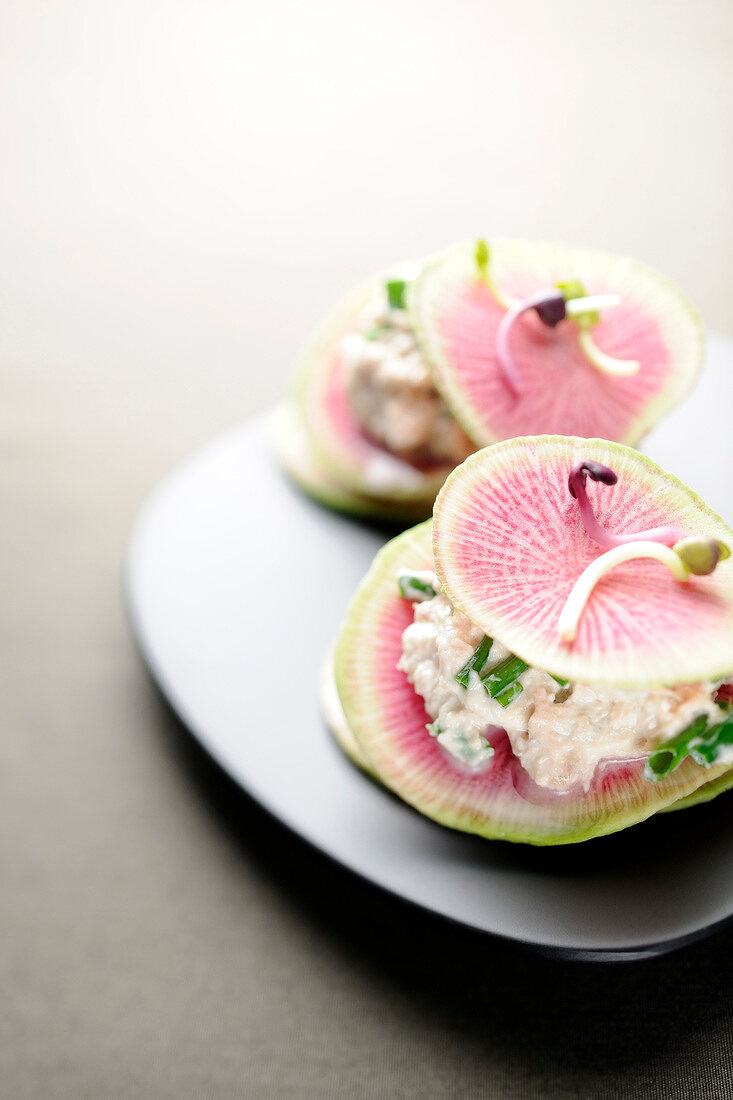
(185,193)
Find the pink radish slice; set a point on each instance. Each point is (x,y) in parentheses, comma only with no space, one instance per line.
(388,719)
(458,317)
(337,441)
(510,544)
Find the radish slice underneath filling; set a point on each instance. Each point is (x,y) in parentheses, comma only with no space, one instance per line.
(560,732)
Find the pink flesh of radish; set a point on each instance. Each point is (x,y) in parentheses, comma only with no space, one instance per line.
(515,545)
(561,392)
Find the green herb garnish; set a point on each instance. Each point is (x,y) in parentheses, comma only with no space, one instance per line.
(695,740)
(670,755)
(476,662)
(412,588)
(482,257)
(508,695)
(502,675)
(377,333)
(705,752)
(396,293)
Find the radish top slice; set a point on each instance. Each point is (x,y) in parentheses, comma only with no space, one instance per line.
(576,378)
(510,544)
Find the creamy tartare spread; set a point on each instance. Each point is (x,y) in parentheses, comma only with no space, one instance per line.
(560,732)
(391,390)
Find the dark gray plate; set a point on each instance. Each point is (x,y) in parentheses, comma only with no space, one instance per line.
(237,586)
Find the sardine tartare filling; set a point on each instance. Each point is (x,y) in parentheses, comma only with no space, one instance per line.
(559,732)
(391,390)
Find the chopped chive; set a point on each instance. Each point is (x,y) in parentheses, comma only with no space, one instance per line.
(396,293)
(482,255)
(412,588)
(706,751)
(663,761)
(571,288)
(377,333)
(702,744)
(476,662)
(558,680)
(473,756)
(455,742)
(503,674)
(508,695)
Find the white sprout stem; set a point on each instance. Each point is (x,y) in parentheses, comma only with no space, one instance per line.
(567,624)
(621,368)
(591,303)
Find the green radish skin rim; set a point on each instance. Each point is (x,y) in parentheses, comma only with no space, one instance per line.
(455,322)
(706,793)
(337,444)
(335,720)
(388,721)
(510,544)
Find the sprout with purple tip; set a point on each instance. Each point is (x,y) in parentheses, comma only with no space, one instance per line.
(566,300)
(682,556)
(576,485)
(550,308)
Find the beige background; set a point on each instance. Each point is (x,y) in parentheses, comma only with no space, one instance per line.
(185,187)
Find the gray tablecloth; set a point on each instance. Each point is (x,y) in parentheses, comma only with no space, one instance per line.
(160,936)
